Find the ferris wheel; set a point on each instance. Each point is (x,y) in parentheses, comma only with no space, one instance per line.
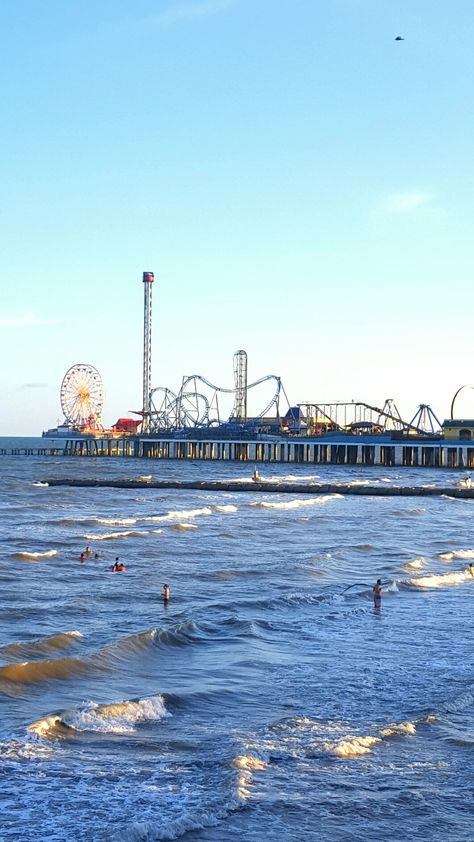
(82,396)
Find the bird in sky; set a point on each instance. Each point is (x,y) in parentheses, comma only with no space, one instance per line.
(399,38)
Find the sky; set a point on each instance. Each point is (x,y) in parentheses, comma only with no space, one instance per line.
(300,183)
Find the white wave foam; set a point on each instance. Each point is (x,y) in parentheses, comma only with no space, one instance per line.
(179,515)
(184,526)
(247,762)
(125,521)
(47,554)
(352,746)
(226,508)
(391,587)
(442,580)
(456,554)
(416,564)
(45,727)
(107,536)
(398,729)
(41,484)
(116,718)
(15,750)
(296,504)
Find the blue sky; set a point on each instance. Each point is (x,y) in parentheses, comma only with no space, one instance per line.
(300,183)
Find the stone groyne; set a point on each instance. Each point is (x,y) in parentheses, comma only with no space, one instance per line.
(269,487)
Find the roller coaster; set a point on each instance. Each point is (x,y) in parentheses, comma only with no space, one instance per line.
(198,403)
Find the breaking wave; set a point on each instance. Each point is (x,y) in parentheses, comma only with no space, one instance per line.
(184,526)
(399,729)
(226,508)
(108,536)
(416,564)
(456,554)
(352,746)
(125,521)
(180,515)
(253,763)
(434,580)
(115,718)
(296,504)
(47,554)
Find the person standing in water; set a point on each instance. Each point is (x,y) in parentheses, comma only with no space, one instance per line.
(377,590)
(166,593)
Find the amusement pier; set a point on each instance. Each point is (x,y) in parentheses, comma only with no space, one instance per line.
(190,423)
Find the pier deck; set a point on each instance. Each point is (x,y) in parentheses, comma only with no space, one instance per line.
(384,451)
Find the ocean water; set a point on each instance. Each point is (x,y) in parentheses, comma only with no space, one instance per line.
(270,699)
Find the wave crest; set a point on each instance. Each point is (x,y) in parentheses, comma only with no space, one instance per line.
(114,718)
(296,504)
(22,649)
(352,746)
(107,536)
(47,554)
(442,580)
(32,672)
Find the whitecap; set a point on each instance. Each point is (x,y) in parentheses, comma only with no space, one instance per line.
(399,729)
(125,521)
(456,554)
(116,718)
(416,564)
(178,515)
(111,535)
(185,526)
(247,762)
(442,580)
(352,746)
(296,504)
(41,484)
(47,554)
(226,508)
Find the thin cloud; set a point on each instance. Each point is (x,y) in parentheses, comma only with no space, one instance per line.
(408,201)
(25,321)
(34,386)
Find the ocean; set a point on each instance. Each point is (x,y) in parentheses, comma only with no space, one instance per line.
(270,699)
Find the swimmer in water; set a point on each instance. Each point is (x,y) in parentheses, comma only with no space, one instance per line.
(118,567)
(470,569)
(83,557)
(166,593)
(88,551)
(256,475)
(377,590)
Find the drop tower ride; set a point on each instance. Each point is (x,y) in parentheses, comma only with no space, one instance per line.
(148,278)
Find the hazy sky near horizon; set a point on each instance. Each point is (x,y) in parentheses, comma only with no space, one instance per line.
(300,183)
